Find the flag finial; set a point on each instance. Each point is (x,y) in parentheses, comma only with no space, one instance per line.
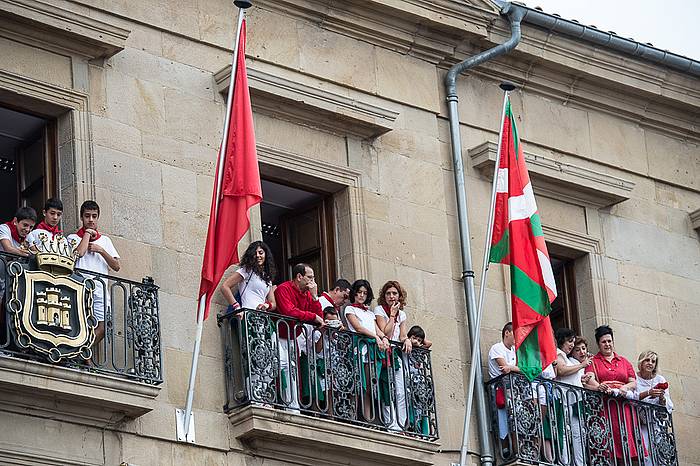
(243,4)
(507,86)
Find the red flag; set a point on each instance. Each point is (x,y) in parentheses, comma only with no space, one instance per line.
(240,188)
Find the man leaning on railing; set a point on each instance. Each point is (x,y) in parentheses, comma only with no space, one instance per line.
(294,299)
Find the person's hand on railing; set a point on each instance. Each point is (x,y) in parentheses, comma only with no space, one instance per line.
(382,342)
(266,306)
(319,321)
(407,346)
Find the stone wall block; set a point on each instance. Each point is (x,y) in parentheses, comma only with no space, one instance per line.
(547,122)
(98,90)
(651,247)
(632,306)
(673,160)
(115,135)
(175,334)
(135,259)
(678,317)
(196,54)
(183,230)
(36,63)
(276,37)
(196,158)
(179,188)
(617,142)
(407,79)
(654,281)
(137,219)
(138,103)
(204,129)
(164,261)
(126,174)
(318,56)
(144,450)
(561,214)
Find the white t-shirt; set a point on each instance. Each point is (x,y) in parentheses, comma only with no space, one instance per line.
(571,379)
(647,384)
(379,311)
(365,316)
(253,289)
(94,261)
(6,233)
(499,350)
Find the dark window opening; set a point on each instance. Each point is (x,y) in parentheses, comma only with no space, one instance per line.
(564,309)
(297,224)
(27,161)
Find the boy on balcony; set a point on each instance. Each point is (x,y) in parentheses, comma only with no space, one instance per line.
(502,360)
(97,254)
(53,211)
(13,236)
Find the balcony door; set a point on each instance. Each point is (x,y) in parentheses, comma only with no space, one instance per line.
(297,224)
(27,161)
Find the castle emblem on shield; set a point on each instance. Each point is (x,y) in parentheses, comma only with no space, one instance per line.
(51,307)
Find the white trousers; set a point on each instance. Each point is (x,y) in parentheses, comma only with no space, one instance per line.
(288,372)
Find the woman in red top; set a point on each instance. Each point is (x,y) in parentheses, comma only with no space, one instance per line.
(614,376)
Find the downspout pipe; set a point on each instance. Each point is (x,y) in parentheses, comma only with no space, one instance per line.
(515,16)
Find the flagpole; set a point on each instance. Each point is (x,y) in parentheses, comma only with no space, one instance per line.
(185,425)
(507,87)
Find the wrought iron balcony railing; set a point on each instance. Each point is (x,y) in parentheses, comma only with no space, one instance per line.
(552,423)
(328,373)
(131,347)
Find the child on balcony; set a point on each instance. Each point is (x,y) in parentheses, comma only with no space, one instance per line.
(418,420)
(48,227)
(96,253)
(13,240)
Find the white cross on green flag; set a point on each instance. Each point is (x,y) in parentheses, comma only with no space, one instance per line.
(518,241)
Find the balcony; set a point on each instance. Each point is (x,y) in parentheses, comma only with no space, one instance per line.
(552,423)
(95,383)
(329,385)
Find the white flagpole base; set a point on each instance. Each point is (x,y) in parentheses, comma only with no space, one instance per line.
(183,436)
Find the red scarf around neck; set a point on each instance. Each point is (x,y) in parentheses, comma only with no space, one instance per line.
(13,231)
(360,306)
(45,226)
(81,232)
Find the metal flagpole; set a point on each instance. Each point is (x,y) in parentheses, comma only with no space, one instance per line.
(184,418)
(507,87)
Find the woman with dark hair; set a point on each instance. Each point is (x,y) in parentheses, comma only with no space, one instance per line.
(252,280)
(361,321)
(614,376)
(569,371)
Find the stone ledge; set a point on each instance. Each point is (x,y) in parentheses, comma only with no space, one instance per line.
(561,180)
(284,436)
(49,391)
(332,108)
(62,28)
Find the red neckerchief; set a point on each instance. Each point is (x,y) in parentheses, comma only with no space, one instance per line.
(45,226)
(360,306)
(81,232)
(13,231)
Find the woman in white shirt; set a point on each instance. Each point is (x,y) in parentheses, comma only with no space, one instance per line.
(570,371)
(361,320)
(391,319)
(252,280)
(652,388)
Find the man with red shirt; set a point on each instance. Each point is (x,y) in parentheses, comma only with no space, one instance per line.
(294,299)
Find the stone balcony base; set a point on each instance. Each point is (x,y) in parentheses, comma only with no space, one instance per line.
(74,395)
(302,439)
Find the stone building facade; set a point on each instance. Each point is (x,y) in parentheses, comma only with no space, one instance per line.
(350,117)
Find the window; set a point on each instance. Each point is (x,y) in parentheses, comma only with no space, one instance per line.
(564,308)
(27,161)
(297,224)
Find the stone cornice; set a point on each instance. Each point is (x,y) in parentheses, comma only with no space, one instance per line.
(407,26)
(71,394)
(561,180)
(62,29)
(284,436)
(293,96)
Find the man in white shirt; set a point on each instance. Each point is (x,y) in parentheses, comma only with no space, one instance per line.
(97,254)
(502,360)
